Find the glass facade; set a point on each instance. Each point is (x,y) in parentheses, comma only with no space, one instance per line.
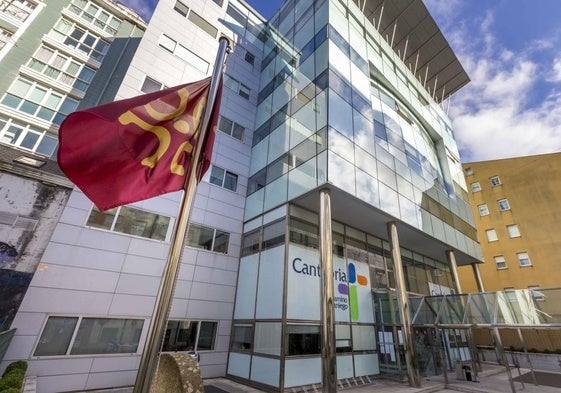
(337,107)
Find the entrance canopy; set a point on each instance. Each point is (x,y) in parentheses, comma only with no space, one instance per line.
(526,308)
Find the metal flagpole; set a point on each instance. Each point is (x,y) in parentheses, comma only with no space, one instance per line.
(328,350)
(154,340)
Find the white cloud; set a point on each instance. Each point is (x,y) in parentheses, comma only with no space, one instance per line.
(496,115)
(555,75)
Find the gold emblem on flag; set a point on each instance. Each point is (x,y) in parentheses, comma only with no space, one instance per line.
(188,128)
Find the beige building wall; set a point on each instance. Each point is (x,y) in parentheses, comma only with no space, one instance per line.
(531,186)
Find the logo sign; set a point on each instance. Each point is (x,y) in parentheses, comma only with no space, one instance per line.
(346,284)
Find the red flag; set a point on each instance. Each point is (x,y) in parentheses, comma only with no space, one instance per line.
(138,148)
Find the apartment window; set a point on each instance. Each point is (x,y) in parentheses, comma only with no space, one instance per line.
(469,171)
(303,340)
(483,210)
(39,101)
(513,231)
(202,24)
(27,137)
(208,238)
(242,337)
(62,68)
(491,235)
(223,178)
(183,53)
(495,181)
(92,336)
(523,259)
(19,9)
(237,87)
(503,205)
(81,39)
(475,187)
(181,8)
(500,262)
(536,293)
(249,57)
(132,221)
(151,85)
(95,15)
(190,336)
(5,37)
(231,128)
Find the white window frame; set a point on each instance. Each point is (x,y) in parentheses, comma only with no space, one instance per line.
(500,262)
(154,81)
(71,342)
(522,258)
(495,181)
(44,139)
(513,231)
(483,210)
(183,53)
(491,235)
(118,211)
(475,187)
(503,205)
(231,129)
(225,173)
(111,25)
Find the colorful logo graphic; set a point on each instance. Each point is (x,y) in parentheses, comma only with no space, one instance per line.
(351,289)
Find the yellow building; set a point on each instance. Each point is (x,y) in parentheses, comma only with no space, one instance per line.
(516,204)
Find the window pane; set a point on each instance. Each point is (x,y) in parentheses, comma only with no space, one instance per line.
(503,205)
(142,223)
(523,259)
(491,235)
(180,336)
(105,335)
(483,210)
(20,87)
(475,187)
(221,242)
(47,145)
(216,175)
(364,338)
(231,181)
(513,230)
(242,337)
(203,24)
(268,338)
(303,339)
(207,334)
(250,243)
(56,336)
(500,261)
(200,237)
(225,125)
(238,131)
(150,85)
(181,8)
(29,140)
(102,219)
(273,234)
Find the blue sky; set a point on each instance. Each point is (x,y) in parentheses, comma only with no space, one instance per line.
(511,49)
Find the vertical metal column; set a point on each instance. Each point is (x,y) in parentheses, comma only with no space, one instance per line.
(451,257)
(499,345)
(478,279)
(329,360)
(403,304)
(528,357)
(475,362)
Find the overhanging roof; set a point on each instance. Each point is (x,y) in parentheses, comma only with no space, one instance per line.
(410,29)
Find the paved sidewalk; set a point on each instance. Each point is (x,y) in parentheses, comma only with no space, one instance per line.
(493,379)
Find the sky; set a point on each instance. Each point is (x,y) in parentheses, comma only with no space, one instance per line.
(511,50)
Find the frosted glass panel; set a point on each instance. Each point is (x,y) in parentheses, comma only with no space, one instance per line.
(239,365)
(247,283)
(265,370)
(303,298)
(364,338)
(366,364)
(302,179)
(298,372)
(345,367)
(271,284)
